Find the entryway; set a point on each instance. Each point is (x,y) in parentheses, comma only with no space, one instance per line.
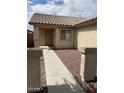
(49,37)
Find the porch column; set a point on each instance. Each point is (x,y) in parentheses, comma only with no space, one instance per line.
(56,37)
(36,36)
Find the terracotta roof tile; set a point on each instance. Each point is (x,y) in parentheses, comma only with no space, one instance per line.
(60,20)
(56,20)
(90,19)
(87,21)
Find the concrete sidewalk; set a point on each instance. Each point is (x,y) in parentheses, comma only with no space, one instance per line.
(59,79)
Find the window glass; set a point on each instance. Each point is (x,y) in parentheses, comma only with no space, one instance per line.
(68,35)
(65,34)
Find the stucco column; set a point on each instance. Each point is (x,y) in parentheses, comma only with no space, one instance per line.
(36,36)
(88,67)
(82,65)
(56,37)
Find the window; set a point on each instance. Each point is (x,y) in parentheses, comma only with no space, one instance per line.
(65,34)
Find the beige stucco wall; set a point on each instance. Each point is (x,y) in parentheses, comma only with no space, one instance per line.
(90,64)
(86,36)
(88,69)
(86,40)
(63,43)
(36,36)
(80,37)
(33,69)
(39,37)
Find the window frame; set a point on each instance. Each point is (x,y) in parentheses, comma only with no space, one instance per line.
(70,32)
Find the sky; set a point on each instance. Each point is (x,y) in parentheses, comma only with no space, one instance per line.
(77,8)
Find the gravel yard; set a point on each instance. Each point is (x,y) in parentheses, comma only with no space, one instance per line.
(71,59)
(43,76)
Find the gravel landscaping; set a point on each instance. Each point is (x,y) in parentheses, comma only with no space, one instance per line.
(71,59)
(43,76)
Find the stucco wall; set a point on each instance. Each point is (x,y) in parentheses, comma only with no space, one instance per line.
(80,37)
(36,36)
(39,37)
(63,43)
(86,42)
(86,36)
(33,68)
(89,64)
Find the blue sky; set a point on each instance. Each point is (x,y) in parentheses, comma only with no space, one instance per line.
(39,1)
(78,8)
(46,1)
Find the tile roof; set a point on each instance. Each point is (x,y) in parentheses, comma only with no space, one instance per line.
(87,21)
(54,20)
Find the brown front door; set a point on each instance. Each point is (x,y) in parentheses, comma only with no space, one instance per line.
(49,37)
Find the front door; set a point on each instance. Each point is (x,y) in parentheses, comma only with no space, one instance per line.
(49,37)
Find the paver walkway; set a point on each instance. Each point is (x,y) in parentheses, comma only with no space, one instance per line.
(59,79)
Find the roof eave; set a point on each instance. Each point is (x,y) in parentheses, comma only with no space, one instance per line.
(85,23)
(59,25)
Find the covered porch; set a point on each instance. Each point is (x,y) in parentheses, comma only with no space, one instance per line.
(44,37)
(52,36)
(47,37)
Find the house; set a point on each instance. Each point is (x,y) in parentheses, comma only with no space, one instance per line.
(63,31)
(69,32)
